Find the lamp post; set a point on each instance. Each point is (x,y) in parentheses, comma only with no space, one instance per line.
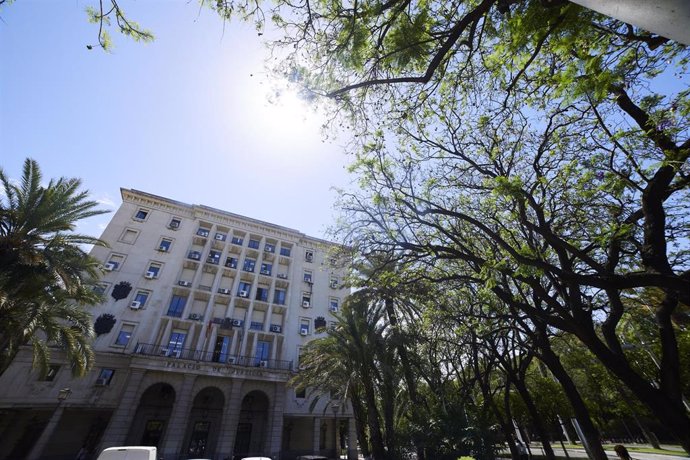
(335,406)
(37,450)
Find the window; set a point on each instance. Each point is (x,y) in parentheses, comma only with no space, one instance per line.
(213,257)
(244,289)
(307,276)
(124,335)
(194,255)
(114,263)
(105,376)
(333,304)
(263,351)
(285,252)
(249,265)
(304,326)
(220,237)
(266,269)
(231,262)
(279,297)
(51,373)
(141,297)
(203,232)
(237,240)
(254,244)
(177,304)
(309,255)
(268,247)
(256,326)
(262,294)
(129,236)
(100,288)
(174,223)
(141,214)
(154,270)
(306,300)
(176,341)
(165,244)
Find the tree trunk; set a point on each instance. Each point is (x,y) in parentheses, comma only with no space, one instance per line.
(669,411)
(373,421)
(359,412)
(589,431)
(536,419)
(410,381)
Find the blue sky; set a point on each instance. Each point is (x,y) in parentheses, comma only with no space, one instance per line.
(186,117)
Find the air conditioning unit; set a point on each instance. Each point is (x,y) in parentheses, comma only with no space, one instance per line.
(334,308)
(101,382)
(184,283)
(220,237)
(194,316)
(163,248)
(244,294)
(203,233)
(306,304)
(232,360)
(303,332)
(224,291)
(265,272)
(276,328)
(150,275)
(135,305)
(334,284)
(269,249)
(263,363)
(282,276)
(194,255)
(174,224)
(109,267)
(237,322)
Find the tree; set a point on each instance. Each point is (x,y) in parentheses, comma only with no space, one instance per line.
(46,278)
(553,205)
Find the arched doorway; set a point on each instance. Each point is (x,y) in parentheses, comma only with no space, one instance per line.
(252,429)
(204,423)
(152,416)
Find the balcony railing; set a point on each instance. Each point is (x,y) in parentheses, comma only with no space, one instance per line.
(188,354)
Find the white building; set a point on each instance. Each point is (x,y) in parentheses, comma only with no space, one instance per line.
(211,310)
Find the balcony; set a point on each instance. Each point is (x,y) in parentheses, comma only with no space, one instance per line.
(188,354)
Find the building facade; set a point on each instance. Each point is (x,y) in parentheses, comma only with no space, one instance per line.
(203,319)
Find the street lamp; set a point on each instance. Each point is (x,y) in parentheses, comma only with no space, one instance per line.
(38,447)
(335,406)
(63,394)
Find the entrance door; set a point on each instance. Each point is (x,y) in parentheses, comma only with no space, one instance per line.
(152,433)
(243,439)
(199,439)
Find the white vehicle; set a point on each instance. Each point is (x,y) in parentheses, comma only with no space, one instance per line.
(129,453)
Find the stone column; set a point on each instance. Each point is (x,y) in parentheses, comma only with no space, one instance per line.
(275,432)
(118,427)
(231,417)
(316,441)
(351,439)
(174,434)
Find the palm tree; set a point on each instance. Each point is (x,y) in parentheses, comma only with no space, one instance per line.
(354,362)
(45,275)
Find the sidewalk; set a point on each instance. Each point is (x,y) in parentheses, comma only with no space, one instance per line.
(580,453)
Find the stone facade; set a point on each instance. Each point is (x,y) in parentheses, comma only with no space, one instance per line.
(211,310)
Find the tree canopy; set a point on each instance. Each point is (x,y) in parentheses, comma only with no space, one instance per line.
(46,277)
